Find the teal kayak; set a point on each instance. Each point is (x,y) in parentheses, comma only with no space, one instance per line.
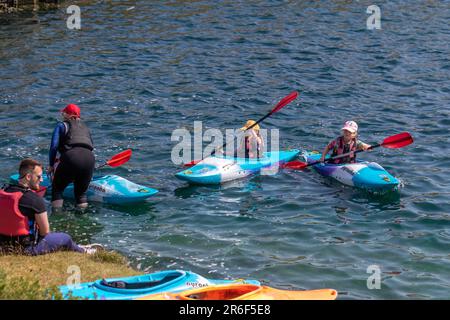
(108,189)
(138,286)
(365,175)
(216,169)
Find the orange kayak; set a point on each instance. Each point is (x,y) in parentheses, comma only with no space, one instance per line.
(244,292)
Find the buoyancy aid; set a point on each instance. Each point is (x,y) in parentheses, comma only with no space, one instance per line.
(340,148)
(77,135)
(251,145)
(12,222)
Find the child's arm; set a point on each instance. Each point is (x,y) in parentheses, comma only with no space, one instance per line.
(324,153)
(362,146)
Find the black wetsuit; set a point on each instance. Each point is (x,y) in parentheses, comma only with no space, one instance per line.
(73,141)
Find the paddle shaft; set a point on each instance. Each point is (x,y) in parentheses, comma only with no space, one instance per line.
(393,142)
(345,154)
(50,175)
(283,102)
(101,166)
(115,161)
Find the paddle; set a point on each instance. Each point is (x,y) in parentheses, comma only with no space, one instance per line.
(117,160)
(283,102)
(393,142)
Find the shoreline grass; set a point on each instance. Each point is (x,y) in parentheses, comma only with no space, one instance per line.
(38,277)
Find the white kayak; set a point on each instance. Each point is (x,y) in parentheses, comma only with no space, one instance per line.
(216,169)
(365,175)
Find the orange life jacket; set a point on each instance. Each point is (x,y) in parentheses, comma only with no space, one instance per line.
(12,222)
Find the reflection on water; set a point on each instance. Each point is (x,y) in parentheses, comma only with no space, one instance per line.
(135,209)
(239,186)
(376,202)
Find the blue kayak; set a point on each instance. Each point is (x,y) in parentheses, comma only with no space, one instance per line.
(108,189)
(219,169)
(365,175)
(142,285)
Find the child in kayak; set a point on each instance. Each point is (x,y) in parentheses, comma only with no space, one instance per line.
(346,143)
(251,142)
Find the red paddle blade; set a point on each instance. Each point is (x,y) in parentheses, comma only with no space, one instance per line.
(285,101)
(192,163)
(119,158)
(397,141)
(295,165)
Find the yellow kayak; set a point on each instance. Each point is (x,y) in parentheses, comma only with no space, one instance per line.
(244,292)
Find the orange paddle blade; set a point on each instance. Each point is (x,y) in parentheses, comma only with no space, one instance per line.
(397,141)
(192,163)
(285,101)
(295,165)
(119,158)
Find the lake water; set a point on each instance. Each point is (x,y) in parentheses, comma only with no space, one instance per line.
(140,73)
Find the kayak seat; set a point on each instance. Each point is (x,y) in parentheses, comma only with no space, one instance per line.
(138,285)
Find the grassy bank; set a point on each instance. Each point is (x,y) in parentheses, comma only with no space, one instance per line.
(25,277)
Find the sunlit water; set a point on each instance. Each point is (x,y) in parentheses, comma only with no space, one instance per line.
(138,74)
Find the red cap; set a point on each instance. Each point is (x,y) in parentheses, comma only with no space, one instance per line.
(72,109)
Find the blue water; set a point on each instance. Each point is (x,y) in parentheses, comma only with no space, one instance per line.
(138,74)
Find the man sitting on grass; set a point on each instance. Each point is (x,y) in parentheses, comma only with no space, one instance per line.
(23,217)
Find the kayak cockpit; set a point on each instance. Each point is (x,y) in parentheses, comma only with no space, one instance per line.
(142,283)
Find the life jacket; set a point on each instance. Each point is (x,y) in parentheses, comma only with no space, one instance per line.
(251,145)
(77,135)
(12,222)
(247,147)
(338,149)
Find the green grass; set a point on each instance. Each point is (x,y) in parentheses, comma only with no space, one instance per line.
(37,278)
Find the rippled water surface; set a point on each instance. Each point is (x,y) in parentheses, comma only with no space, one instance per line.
(140,73)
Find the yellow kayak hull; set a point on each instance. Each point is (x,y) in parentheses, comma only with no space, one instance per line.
(244,292)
